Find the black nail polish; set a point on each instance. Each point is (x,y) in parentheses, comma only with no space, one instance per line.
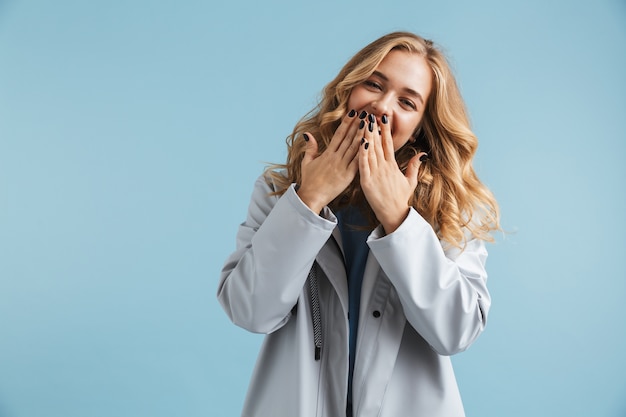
(306,137)
(362,141)
(352,113)
(361,124)
(385,119)
(371,118)
(371,127)
(424,157)
(367,145)
(363,114)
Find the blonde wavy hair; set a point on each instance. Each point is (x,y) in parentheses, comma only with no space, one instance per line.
(449,194)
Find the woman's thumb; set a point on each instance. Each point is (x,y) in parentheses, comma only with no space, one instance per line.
(311,147)
(414,167)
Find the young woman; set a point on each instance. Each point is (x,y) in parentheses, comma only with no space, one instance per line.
(362,258)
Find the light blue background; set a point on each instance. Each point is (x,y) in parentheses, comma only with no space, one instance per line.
(131,134)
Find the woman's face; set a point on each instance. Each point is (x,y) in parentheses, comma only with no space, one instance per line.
(399,88)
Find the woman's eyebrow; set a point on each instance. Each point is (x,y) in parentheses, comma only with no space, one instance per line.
(407,90)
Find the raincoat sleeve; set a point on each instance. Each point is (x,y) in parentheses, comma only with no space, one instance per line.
(443,293)
(276,246)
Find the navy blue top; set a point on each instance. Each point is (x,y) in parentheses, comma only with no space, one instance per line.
(355,251)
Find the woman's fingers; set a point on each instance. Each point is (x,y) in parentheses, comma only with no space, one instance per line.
(372,142)
(363,158)
(352,146)
(349,146)
(341,133)
(386,139)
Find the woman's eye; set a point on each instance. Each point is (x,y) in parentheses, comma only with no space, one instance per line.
(408,103)
(373,84)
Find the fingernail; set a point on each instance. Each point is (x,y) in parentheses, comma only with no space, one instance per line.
(306,137)
(385,119)
(424,157)
(352,113)
(361,124)
(367,145)
(371,118)
(363,114)
(362,141)
(371,127)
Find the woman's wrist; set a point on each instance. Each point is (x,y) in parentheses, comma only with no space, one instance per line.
(312,200)
(392,221)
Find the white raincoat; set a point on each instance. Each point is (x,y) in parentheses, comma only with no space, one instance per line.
(419,304)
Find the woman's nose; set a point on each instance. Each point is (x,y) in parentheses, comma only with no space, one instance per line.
(381,106)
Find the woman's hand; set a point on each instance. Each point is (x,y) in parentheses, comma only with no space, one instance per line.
(326,175)
(386,188)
